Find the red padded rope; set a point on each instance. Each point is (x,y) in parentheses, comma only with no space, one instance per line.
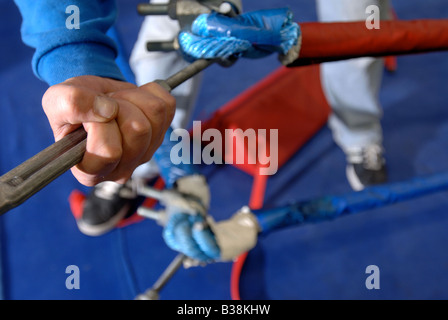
(344,40)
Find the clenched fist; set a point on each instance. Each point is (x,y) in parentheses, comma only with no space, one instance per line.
(125,124)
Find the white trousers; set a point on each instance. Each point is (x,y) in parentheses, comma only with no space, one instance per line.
(352,86)
(149,66)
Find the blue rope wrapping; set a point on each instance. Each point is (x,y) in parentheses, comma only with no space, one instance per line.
(171,172)
(206,241)
(180,234)
(331,207)
(211,48)
(252,35)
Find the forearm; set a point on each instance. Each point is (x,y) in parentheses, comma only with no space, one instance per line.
(63,53)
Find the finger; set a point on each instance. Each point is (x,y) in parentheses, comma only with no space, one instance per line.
(79,100)
(136,132)
(68,105)
(169,102)
(157,106)
(103,153)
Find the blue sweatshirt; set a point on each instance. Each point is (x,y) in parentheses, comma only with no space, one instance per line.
(62,53)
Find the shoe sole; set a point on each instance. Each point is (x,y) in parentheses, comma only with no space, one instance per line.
(100,229)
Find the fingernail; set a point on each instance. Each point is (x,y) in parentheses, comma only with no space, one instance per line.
(105,107)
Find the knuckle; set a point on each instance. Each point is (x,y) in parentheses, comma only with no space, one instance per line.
(63,97)
(50,96)
(72,97)
(164,100)
(138,128)
(156,111)
(159,107)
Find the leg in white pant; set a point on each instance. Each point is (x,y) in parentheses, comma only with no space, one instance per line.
(149,66)
(352,90)
(352,86)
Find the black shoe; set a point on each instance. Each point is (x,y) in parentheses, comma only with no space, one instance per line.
(106,206)
(366,167)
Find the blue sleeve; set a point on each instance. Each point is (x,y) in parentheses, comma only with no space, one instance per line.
(61,52)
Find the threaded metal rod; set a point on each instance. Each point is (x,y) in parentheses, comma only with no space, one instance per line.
(187,73)
(146,9)
(162,46)
(153,293)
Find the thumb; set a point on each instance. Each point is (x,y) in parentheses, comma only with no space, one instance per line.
(65,104)
(105,108)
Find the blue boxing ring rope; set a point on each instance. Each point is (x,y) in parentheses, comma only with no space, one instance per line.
(327,208)
(334,206)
